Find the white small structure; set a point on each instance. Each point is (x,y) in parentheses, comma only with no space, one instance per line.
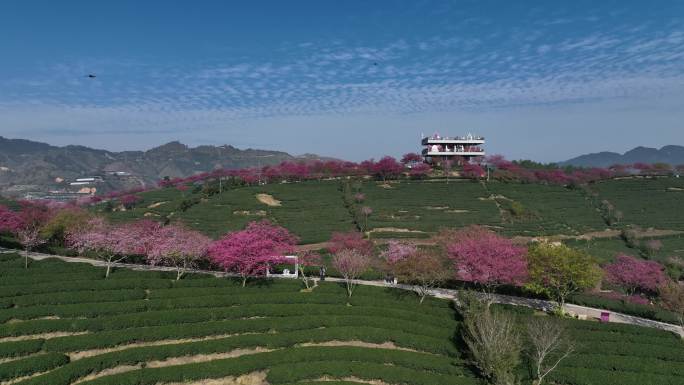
(437,147)
(286,272)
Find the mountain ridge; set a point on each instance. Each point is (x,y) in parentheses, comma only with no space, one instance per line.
(671,154)
(27,165)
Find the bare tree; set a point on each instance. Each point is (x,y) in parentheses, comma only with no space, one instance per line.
(672,298)
(351,264)
(424,270)
(494,344)
(549,345)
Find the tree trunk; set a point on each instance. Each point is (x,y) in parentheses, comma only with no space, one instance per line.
(244,280)
(26,257)
(350,288)
(180,269)
(109,267)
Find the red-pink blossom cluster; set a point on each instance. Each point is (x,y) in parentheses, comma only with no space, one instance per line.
(398,251)
(411,158)
(251,251)
(173,245)
(635,274)
(350,241)
(486,258)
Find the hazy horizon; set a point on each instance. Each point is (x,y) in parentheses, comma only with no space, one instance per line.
(353,80)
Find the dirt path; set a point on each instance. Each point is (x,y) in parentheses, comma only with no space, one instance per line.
(588,312)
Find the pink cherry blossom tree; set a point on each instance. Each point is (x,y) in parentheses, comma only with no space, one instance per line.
(178,246)
(487,259)
(251,251)
(104,241)
(10,221)
(387,167)
(351,240)
(420,170)
(359,197)
(128,201)
(351,264)
(397,251)
(142,236)
(32,218)
(411,158)
(473,171)
(30,238)
(635,275)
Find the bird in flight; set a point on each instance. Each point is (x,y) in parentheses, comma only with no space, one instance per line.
(91,76)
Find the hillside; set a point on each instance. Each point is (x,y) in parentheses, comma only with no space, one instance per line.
(56,329)
(673,155)
(417,209)
(27,165)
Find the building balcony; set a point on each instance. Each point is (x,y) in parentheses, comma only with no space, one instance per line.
(427,152)
(471,140)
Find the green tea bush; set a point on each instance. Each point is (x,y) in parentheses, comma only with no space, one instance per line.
(31,365)
(20,348)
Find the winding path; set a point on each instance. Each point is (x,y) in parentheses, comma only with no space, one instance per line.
(539,304)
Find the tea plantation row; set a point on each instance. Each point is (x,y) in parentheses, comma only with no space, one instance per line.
(62,322)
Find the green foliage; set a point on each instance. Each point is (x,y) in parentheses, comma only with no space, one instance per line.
(31,365)
(646,202)
(546,209)
(20,348)
(558,270)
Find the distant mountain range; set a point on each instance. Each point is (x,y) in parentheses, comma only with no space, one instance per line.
(673,155)
(33,166)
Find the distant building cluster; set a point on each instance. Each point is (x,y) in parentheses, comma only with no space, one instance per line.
(66,190)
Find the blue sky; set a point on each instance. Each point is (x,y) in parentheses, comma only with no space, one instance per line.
(545,80)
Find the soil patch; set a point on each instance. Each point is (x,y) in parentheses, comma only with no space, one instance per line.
(205,357)
(96,352)
(108,372)
(268,200)
(21,379)
(259,213)
(394,230)
(353,379)
(361,344)
(256,378)
(16,320)
(45,336)
(171,362)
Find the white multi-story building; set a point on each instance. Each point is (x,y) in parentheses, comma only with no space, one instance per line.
(437,148)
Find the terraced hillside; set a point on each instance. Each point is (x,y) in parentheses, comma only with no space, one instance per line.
(312,210)
(655,203)
(62,323)
(417,209)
